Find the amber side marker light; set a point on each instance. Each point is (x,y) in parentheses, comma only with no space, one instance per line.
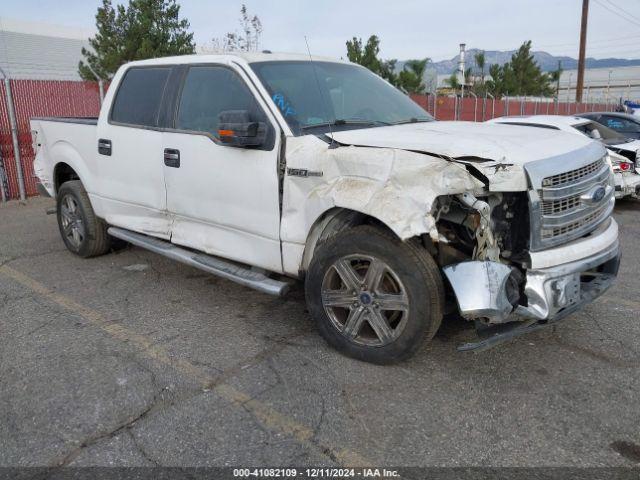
(226,133)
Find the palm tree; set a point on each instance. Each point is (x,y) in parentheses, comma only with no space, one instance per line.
(411,78)
(480,59)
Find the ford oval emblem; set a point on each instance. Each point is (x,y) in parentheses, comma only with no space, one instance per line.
(598,194)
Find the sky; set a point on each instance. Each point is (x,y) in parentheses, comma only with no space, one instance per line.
(407,28)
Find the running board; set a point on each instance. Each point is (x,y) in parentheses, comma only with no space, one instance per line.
(214,265)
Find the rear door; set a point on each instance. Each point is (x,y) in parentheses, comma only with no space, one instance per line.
(224,200)
(131,187)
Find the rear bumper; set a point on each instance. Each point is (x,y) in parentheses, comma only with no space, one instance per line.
(552,290)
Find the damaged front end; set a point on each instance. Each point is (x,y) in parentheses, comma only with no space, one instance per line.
(518,262)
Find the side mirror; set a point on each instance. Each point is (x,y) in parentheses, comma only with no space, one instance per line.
(236,129)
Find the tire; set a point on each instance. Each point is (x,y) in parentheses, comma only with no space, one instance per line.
(82,232)
(387,321)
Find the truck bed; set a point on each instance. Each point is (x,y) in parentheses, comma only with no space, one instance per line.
(83,120)
(67,140)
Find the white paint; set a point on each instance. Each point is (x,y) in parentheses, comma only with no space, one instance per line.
(225,201)
(501,144)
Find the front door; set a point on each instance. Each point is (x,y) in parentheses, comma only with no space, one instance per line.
(223,200)
(130,189)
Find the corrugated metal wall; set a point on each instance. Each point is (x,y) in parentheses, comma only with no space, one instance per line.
(39,98)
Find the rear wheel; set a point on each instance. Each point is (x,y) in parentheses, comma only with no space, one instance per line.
(82,232)
(373,296)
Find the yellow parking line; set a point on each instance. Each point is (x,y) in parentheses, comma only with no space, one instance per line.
(267,416)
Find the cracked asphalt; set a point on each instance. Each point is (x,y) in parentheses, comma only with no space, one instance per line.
(131,359)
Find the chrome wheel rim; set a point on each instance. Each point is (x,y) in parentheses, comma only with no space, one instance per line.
(71,220)
(365,300)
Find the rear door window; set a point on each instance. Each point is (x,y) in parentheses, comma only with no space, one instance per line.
(139,96)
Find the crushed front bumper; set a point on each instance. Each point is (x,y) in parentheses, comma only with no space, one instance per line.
(552,290)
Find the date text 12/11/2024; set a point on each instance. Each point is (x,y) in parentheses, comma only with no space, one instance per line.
(314,473)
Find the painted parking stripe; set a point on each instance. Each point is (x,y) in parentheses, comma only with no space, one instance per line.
(267,416)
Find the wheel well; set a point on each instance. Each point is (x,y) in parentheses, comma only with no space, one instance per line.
(63,173)
(331,223)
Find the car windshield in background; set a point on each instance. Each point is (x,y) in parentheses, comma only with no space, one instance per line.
(600,132)
(316,96)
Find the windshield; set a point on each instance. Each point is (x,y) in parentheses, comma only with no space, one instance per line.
(314,95)
(600,132)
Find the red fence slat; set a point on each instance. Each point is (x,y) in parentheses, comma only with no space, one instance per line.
(39,98)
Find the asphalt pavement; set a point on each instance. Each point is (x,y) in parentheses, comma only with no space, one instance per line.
(131,359)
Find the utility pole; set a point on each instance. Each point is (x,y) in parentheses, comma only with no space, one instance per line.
(583,48)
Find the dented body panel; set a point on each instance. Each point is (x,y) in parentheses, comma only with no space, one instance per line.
(396,187)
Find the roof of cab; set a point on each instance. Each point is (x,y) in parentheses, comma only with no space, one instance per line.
(243,57)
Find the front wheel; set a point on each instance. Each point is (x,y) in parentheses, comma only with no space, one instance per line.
(82,232)
(373,296)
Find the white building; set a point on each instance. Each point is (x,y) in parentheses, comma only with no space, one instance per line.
(602,84)
(40,51)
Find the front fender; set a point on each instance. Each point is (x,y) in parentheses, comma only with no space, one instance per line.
(396,187)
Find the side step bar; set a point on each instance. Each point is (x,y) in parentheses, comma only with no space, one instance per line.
(214,265)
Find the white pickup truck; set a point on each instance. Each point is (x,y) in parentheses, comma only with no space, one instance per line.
(265,168)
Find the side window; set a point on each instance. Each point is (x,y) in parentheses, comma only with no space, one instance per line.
(139,96)
(209,90)
(622,125)
(614,123)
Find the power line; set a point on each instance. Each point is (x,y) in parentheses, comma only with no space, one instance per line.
(573,44)
(605,47)
(622,10)
(637,24)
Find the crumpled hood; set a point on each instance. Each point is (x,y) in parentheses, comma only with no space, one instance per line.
(632,146)
(500,143)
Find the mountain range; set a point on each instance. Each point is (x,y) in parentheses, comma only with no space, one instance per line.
(546,61)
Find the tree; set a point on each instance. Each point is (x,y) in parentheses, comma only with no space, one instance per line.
(554,76)
(411,78)
(453,81)
(480,59)
(143,29)
(367,56)
(520,76)
(247,40)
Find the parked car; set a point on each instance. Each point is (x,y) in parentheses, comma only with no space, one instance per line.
(624,153)
(624,124)
(266,168)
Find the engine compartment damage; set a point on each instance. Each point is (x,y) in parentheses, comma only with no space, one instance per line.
(472,215)
(397,187)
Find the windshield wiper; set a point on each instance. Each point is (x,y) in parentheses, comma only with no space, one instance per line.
(340,121)
(412,120)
